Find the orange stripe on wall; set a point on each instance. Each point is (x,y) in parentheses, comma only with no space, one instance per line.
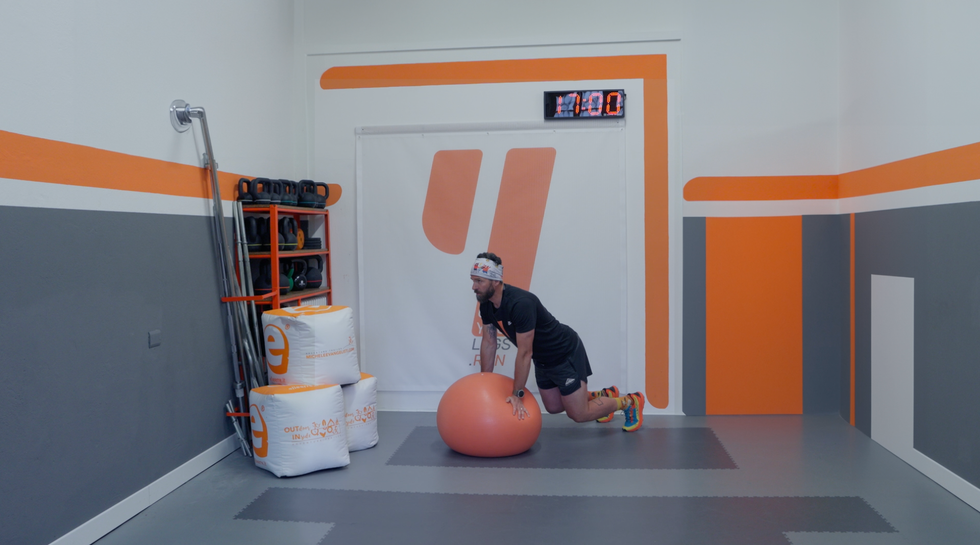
(652,69)
(754,315)
(958,164)
(511,71)
(40,160)
(761,188)
(35,159)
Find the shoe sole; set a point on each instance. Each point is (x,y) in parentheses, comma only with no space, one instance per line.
(639,399)
(609,418)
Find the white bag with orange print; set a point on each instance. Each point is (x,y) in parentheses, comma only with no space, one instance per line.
(310,345)
(298,429)
(361,405)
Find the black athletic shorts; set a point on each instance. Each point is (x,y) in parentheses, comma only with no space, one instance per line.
(568,375)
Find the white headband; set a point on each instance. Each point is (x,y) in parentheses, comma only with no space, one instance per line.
(485,268)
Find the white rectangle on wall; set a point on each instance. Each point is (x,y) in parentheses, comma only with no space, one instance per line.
(892,361)
(893,384)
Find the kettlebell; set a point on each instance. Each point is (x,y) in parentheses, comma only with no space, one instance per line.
(275,192)
(285,278)
(245,190)
(313,277)
(307,194)
(290,190)
(287,226)
(263,281)
(252,240)
(299,274)
(263,230)
(260,191)
(321,200)
(280,236)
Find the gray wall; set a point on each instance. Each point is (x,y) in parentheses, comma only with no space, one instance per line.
(938,247)
(695,354)
(91,413)
(825,293)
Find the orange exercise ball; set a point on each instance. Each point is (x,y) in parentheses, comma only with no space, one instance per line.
(474,417)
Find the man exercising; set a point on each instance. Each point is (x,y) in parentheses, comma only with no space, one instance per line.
(561,366)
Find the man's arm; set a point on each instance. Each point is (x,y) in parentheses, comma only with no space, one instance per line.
(522,368)
(488,348)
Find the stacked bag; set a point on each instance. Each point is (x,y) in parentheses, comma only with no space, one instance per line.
(318,407)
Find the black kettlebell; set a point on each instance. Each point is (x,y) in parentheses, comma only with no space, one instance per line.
(263,281)
(313,277)
(280,236)
(263,228)
(321,200)
(307,194)
(285,278)
(252,235)
(299,274)
(287,228)
(275,192)
(290,192)
(245,191)
(260,191)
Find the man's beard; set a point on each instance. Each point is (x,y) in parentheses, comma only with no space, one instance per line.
(486,295)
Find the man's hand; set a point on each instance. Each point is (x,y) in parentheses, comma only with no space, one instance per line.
(519,408)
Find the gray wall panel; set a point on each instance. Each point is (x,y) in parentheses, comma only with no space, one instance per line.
(845,316)
(92,414)
(694,316)
(937,246)
(823,290)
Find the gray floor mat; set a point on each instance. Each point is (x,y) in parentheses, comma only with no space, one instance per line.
(412,517)
(581,448)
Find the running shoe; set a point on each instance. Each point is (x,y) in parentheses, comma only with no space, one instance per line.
(634,413)
(611,392)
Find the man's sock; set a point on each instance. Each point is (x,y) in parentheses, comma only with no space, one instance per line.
(623,402)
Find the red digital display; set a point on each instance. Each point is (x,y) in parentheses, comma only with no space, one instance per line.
(585,104)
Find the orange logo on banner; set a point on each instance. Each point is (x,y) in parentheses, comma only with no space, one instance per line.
(517,220)
(277,348)
(362,416)
(262,435)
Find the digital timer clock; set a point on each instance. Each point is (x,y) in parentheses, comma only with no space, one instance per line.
(585,104)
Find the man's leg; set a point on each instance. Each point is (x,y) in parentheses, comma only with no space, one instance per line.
(582,409)
(551,398)
(611,391)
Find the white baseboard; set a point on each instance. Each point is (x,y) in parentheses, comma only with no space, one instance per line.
(945,478)
(113,517)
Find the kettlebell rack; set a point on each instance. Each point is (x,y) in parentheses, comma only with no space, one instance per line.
(276,256)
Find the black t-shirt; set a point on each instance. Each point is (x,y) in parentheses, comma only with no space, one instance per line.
(520,311)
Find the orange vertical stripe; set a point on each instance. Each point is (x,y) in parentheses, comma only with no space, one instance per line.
(754,315)
(656,244)
(852,321)
(449,198)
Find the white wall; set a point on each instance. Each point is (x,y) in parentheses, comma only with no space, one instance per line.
(758,91)
(909,83)
(103,74)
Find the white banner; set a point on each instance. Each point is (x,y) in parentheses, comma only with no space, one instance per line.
(426,208)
